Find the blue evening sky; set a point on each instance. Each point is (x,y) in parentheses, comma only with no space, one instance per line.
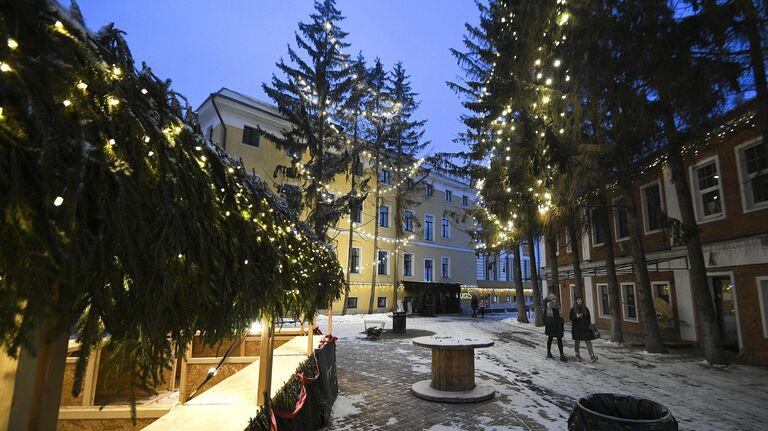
(203,45)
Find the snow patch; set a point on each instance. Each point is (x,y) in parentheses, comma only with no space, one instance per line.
(347,405)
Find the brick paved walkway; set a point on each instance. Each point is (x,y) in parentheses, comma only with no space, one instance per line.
(375,378)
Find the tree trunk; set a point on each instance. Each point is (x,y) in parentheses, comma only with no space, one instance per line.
(375,234)
(614,296)
(553,266)
(697,272)
(573,238)
(522,316)
(653,341)
(535,279)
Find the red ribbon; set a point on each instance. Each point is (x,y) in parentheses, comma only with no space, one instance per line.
(302,395)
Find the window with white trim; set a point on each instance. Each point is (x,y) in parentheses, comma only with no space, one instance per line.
(706,189)
(408,221)
(753,174)
(448,196)
(465,201)
(762,295)
(653,208)
(629,301)
(429,222)
(382,262)
(445,267)
(384,216)
(445,227)
(381,302)
(603,303)
(620,221)
(407,264)
(429,271)
(384,176)
(428,189)
(598,232)
(357,212)
(355,260)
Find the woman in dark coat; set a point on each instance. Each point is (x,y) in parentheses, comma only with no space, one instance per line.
(553,326)
(581,328)
(473,303)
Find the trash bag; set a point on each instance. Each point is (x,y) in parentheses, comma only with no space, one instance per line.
(617,412)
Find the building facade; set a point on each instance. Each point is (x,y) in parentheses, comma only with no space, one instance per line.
(436,265)
(729,188)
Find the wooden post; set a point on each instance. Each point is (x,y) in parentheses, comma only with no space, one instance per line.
(310,339)
(49,378)
(330,319)
(184,367)
(265,361)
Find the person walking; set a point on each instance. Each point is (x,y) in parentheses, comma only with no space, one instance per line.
(473,303)
(553,326)
(581,328)
(482,308)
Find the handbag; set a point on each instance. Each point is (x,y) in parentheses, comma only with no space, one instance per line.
(595,332)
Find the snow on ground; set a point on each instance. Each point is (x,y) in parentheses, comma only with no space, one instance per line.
(700,398)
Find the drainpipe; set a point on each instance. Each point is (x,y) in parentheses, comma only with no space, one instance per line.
(221,120)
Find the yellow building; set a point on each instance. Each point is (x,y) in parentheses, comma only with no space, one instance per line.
(436,261)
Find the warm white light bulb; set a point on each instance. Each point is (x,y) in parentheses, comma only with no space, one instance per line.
(12,43)
(66,103)
(58,201)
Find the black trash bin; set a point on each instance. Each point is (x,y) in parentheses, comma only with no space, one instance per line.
(617,412)
(398,322)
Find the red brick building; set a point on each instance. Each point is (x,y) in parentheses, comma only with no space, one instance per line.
(729,187)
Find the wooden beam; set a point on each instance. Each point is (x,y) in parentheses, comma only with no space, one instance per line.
(183,379)
(310,335)
(91,378)
(265,362)
(330,319)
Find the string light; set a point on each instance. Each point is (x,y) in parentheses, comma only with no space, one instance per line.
(58,201)
(12,43)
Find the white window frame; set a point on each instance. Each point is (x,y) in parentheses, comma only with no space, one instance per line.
(448,258)
(698,207)
(600,312)
(625,305)
(616,210)
(761,299)
(352,214)
(429,190)
(387,176)
(644,205)
(448,230)
(413,215)
(359,261)
(742,185)
(592,229)
(389,216)
(412,262)
(572,289)
(433,228)
(377,261)
(424,268)
(465,201)
(448,195)
(386,300)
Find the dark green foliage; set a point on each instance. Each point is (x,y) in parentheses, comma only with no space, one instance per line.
(158,234)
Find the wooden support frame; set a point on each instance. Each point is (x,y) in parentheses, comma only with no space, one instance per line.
(265,361)
(310,335)
(330,318)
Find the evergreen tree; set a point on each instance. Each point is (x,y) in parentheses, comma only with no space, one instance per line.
(311,96)
(403,148)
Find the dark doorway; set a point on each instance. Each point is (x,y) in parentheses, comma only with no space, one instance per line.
(723,295)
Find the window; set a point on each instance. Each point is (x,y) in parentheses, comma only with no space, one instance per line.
(445,267)
(428,227)
(428,270)
(753,174)
(384,216)
(409,184)
(357,212)
(491,268)
(568,243)
(465,201)
(557,246)
(620,219)
(706,187)
(448,196)
(251,136)
(355,260)
(292,196)
(359,169)
(446,228)
(383,262)
(508,298)
(598,232)
(408,221)
(381,302)
(428,189)
(507,269)
(495,299)
(661,290)
(653,211)
(629,303)
(384,176)
(526,269)
(352,302)
(604,303)
(762,295)
(407,264)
